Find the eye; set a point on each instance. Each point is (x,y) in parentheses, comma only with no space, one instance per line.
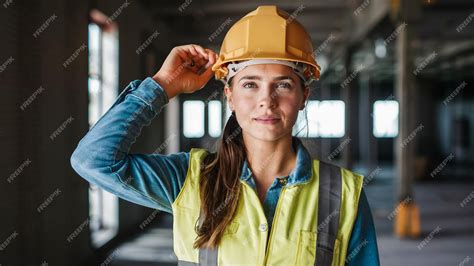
(249,85)
(284,85)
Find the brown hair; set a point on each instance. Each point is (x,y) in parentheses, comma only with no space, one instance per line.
(220,184)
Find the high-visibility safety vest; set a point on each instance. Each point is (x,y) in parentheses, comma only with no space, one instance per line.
(312,223)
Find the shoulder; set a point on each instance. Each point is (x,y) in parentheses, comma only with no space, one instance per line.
(351,182)
(357,177)
(197,155)
(198,151)
(345,172)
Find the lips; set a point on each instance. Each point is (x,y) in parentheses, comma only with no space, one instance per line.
(267,119)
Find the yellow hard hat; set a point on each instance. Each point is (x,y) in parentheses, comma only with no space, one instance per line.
(267,33)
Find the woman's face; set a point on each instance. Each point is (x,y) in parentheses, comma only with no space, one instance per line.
(266,99)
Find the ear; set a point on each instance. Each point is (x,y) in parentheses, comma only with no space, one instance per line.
(305,96)
(228,95)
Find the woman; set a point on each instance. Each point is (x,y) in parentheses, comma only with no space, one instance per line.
(260,199)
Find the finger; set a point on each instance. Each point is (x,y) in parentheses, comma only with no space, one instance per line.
(210,52)
(200,50)
(197,64)
(190,49)
(185,56)
(208,66)
(212,58)
(204,77)
(194,54)
(193,58)
(201,62)
(191,61)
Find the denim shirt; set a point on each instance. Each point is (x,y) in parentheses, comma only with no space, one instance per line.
(102,158)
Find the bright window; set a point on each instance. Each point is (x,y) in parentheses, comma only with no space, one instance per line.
(193,119)
(324,119)
(215,118)
(385,119)
(103,90)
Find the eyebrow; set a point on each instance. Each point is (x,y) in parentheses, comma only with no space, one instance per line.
(260,78)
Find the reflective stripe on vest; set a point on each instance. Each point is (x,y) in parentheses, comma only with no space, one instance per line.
(334,206)
(207,256)
(329,203)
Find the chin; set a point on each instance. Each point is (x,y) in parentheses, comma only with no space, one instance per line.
(267,136)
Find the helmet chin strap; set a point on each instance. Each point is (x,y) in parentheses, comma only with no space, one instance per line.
(298,68)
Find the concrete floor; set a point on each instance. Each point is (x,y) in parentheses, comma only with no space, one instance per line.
(447,227)
(452,241)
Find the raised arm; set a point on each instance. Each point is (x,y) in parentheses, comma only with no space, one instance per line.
(102,156)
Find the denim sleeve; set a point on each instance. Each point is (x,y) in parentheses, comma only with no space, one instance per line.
(362,248)
(102,156)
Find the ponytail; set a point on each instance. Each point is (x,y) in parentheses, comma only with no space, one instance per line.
(220,185)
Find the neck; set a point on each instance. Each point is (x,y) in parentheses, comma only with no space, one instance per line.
(270,159)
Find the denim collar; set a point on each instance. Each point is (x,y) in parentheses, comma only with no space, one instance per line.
(302,171)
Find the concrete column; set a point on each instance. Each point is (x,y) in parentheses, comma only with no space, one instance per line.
(349,96)
(407,216)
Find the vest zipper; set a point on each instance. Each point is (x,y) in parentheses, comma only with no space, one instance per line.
(275,219)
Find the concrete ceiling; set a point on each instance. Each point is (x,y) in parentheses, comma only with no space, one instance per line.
(199,19)
(193,21)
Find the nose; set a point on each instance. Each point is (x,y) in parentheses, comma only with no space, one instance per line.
(268,98)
